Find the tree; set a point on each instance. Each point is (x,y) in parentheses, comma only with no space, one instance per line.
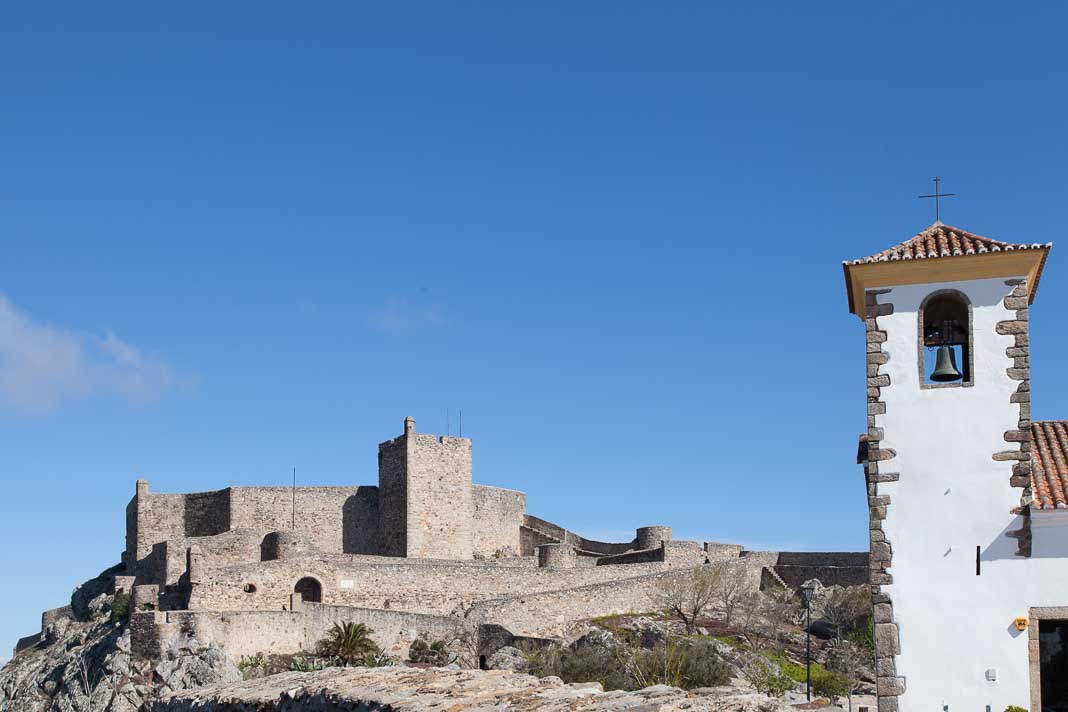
(687,596)
(852,661)
(843,606)
(349,641)
(832,685)
(767,678)
(780,611)
(732,585)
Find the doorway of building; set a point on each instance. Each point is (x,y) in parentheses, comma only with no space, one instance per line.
(309,589)
(1053,661)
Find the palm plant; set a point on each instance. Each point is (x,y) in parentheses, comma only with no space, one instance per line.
(351,642)
(435,653)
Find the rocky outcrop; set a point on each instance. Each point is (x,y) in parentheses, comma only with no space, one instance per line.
(402,689)
(82,663)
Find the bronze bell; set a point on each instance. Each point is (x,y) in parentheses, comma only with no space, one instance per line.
(945,366)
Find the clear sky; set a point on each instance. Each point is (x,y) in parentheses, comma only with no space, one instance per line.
(242,238)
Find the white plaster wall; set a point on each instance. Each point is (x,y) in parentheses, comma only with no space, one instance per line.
(951,497)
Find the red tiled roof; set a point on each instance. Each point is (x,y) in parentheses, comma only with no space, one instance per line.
(944,241)
(1049,464)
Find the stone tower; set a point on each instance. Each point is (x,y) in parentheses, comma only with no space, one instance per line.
(947,464)
(425,501)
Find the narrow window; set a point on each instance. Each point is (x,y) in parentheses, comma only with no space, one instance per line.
(977,569)
(946,335)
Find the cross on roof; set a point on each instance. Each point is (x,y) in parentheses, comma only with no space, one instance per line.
(937,195)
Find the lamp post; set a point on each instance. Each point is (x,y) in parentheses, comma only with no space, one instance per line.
(807,590)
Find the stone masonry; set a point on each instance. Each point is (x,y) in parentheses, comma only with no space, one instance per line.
(887,643)
(1019,356)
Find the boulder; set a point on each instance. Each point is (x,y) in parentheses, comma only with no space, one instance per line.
(507,658)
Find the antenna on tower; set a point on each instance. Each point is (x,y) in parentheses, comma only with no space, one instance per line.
(461,422)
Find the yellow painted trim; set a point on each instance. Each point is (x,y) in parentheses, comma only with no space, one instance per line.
(1012,263)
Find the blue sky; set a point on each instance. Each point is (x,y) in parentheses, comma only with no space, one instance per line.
(238,238)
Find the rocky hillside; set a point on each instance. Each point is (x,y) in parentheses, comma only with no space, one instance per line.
(405,689)
(83,664)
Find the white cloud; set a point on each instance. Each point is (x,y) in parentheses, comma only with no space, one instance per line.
(398,316)
(43,366)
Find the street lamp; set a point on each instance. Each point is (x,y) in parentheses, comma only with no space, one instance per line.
(808,590)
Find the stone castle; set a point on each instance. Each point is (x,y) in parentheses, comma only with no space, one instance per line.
(426,552)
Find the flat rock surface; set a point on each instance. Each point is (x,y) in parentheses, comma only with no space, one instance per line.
(403,689)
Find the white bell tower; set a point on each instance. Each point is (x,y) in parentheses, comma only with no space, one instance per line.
(947,464)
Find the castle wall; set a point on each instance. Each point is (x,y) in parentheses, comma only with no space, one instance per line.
(498,515)
(554,612)
(336,519)
(422,586)
(246,633)
(159,527)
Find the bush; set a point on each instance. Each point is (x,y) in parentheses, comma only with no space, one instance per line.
(831,684)
(863,635)
(1015,708)
(309,663)
(351,642)
(685,664)
(795,671)
(434,653)
(767,678)
(248,662)
(120,608)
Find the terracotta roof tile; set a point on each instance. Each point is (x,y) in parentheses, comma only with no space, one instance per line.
(944,241)
(1049,464)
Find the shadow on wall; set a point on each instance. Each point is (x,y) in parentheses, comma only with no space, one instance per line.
(359,522)
(1005,546)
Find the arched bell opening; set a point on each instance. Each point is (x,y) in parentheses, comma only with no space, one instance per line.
(310,590)
(945,321)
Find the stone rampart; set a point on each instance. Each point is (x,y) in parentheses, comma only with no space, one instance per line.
(422,586)
(498,515)
(553,613)
(560,535)
(246,633)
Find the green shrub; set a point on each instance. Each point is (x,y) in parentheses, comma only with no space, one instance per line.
(767,678)
(795,671)
(351,642)
(686,663)
(594,664)
(863,635)
(247,662)
(311,663)
(120,608)
(433,652)
(377,659)
(830,684)
(1015,708)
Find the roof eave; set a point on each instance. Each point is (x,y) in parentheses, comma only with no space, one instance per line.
(862,276)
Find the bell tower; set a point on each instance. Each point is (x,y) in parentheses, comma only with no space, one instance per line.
(947,465)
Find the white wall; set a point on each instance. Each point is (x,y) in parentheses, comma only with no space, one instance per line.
(951,497)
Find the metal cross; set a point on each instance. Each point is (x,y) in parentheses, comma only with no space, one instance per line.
(937,195)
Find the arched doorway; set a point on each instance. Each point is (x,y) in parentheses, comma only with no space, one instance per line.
(309,590)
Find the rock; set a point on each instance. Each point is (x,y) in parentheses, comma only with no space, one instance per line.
(423,690)
(596,638)
(507,658)
(52,677)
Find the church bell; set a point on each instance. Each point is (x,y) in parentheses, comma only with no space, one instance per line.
(945,366)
